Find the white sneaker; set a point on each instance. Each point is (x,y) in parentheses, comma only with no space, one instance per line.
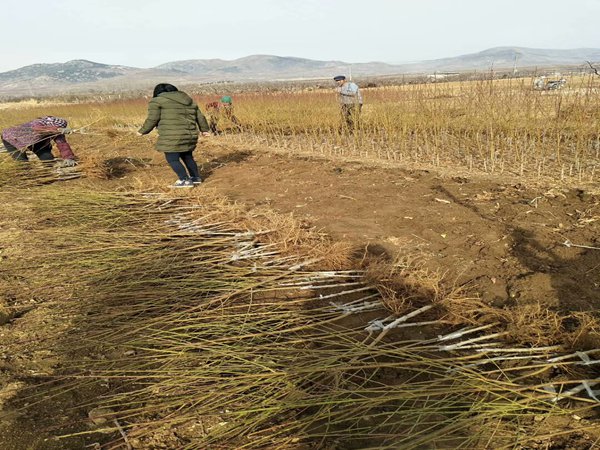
(196,180)
(183,184)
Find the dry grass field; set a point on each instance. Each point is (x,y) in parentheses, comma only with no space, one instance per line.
(428,281)
(495,126)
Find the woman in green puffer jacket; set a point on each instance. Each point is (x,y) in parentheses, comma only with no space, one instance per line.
(177,119)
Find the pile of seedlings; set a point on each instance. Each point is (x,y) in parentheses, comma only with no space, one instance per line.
(200,325)
(34,173)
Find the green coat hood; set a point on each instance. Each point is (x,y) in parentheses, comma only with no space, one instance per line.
(178,96)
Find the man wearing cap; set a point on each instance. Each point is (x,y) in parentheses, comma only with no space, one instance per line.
(350,101)
(222,108)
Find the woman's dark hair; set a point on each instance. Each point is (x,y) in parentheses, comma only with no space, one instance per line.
(163,87)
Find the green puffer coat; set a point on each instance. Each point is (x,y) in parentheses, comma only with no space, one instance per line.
(177,119)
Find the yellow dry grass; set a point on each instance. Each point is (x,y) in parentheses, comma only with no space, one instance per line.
(493,126)
(476,125)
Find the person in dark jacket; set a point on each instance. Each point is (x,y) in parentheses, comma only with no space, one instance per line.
(177,118)
(37,136)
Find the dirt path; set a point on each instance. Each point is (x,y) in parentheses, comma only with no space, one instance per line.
(506,240)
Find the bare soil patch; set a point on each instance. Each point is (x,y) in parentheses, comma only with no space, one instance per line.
(504,239)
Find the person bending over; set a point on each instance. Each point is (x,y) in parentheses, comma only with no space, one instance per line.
(222,109)
(37,136)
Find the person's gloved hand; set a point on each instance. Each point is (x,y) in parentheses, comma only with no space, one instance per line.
(65,130)
(69,163)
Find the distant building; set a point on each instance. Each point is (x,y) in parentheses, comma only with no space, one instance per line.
(441,75)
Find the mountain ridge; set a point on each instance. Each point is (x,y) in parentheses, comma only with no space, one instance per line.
(82,74)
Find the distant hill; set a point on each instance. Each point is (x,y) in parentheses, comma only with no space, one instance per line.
(268,67)
(76,71)
(74,76)
(508,57)
(87,76)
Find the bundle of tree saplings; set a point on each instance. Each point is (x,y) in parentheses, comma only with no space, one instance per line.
(199,332)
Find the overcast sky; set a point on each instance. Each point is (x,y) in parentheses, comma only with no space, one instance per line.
(146,33)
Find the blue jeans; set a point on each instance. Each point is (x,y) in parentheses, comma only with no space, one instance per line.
(175,160)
